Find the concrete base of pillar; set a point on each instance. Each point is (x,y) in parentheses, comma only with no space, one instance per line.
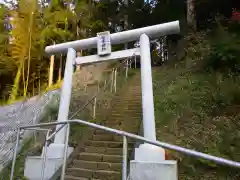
(149,153)
(53,163)
(54,150)
(164,170)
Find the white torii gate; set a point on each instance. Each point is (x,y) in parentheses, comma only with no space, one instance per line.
(146,152)
(56,149)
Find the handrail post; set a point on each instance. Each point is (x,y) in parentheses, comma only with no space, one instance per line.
(127,69)
(85,82)
(112,79)
(15,154)
(130,64)
(94,107)
(44,155)
(124,164)
(115,80)
(65,152)
(98,88)
(135,59)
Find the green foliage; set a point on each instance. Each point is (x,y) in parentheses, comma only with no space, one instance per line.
(199,109)
(23,63)
(234,27)
(25,28)
(225,52)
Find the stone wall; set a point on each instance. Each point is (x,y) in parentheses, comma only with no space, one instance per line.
(27,112)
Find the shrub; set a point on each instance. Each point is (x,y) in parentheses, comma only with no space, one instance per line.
(234,26)
(224,52)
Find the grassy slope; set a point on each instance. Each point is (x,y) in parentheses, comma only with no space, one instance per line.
(199,110)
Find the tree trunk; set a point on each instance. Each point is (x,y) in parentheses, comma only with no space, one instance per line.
(50,81)
(60,70)
(191,21)
(78,55)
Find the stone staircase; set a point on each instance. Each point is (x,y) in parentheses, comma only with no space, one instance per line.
(100,158)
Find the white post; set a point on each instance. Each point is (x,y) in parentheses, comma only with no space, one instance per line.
(147,152)
(112,80)
(126,74)
(115,80)
(135,61)
(56,149)
(94,108)
(65,95)
(50,79)
(162,48)
(147,90)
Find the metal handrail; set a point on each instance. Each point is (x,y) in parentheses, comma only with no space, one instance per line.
(140,138)
(194,153)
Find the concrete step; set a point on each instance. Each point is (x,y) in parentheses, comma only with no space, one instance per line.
(122,126)
(127,109)
(110,144)
(125,113)
(99,174)
(102,156)
(69,177)
(104,150)
(122,104)
(118,117)
(120,120)
(102,132)
(105,137)
(130,99)
(124,107)
(97,165)
(129,95)
(99,157)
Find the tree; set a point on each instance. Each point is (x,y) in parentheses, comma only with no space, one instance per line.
(191,21)
(5,66)
(24,33)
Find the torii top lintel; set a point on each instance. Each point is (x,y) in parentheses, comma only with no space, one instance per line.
(118,38)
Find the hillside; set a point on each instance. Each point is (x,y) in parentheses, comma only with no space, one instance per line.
(197,106)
